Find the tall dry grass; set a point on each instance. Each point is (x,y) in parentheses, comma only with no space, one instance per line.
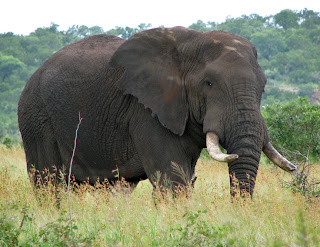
(275,217)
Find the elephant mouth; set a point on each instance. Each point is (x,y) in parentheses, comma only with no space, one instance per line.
(212,141)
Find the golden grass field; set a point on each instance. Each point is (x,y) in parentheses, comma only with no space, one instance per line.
(275,217)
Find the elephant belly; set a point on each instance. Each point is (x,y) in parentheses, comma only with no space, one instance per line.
(130,171)
(112,162)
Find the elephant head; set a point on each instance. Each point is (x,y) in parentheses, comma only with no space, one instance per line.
(209,79)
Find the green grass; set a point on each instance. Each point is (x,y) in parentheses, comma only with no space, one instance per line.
(275,217)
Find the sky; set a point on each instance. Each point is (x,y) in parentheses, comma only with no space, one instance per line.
(25,16)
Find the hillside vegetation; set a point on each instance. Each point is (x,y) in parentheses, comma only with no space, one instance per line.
(277,215)
(288,45)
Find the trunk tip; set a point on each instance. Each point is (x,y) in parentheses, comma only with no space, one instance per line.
(231,157)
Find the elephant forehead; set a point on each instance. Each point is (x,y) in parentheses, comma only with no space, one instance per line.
(234,49)
(231,63)
(216,41)
(234,41)
(237,41)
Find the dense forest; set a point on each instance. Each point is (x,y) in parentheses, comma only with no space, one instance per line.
(288,45)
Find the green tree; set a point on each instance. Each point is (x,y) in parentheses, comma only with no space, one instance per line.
(287,19)
(9,65)
(76,32)
(205,27)
(309,18)
(269,42)
(127,32)
(245,25)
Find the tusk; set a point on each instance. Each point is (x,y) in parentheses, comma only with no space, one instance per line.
(214,149)
(278,159)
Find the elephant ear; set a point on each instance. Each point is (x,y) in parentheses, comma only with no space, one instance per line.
(153,75)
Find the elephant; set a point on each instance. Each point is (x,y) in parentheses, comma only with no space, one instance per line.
(149,105)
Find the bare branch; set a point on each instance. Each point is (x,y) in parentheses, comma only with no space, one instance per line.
(70,169)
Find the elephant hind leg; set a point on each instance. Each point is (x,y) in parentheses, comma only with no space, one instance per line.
(43,160)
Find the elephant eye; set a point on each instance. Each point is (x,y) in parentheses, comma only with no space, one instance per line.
(208,83)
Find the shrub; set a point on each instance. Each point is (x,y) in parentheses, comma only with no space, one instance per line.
(295,127)
(198,232)
(8,142)
(304,182)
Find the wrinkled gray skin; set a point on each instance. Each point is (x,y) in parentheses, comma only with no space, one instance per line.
(146,103)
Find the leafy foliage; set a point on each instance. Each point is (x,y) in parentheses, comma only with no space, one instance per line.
(198,232)
(126,32)
(294,126)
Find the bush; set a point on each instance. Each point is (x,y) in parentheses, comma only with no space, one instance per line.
(295,127)
(8,142)
(197,232)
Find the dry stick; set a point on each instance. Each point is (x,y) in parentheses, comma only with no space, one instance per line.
(70,169)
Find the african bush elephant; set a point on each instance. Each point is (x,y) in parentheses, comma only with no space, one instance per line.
(149,105)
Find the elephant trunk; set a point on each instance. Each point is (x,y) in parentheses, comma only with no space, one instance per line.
(245,137)
(244,140)
(243,171)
